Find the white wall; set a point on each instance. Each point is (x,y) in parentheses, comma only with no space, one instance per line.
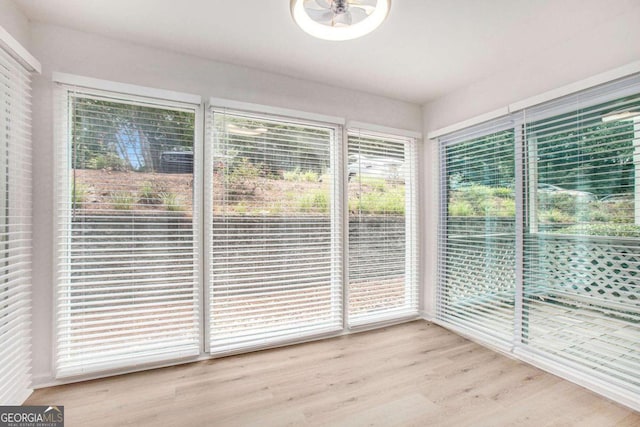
(612,44)
(15,22)
(69,51)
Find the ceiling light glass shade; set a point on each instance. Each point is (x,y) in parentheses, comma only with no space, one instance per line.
(337,28)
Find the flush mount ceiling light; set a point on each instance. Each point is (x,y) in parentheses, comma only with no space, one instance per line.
(339,19)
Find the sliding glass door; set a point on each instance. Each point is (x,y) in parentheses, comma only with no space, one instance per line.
(477,261)
(540,233)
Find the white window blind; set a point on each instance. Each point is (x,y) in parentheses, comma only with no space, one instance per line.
(15,231)
(383,231)
(582,243)
(276,230)
(127,219)
(477,230)
(549,271)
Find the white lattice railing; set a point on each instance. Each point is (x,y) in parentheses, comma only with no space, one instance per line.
(599,267)
(478,270)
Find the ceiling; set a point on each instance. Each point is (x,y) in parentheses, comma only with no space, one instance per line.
(425,49)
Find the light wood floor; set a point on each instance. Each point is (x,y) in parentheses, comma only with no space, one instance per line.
(415,374)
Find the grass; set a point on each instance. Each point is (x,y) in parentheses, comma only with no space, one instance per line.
(171,202)
(79,193)
(151,194)
(301,176)
(389,201)
(315,201)
(482,201)
(122,200)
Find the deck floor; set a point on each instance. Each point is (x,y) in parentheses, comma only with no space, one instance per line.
(414,374)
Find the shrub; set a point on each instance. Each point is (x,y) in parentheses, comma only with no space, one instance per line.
(171,202)
(503,192)
(244,179)
(309,176)
(297,175)
(108,161)
(554,216)
(374,202)
(240,208)
(122,200)
(376,184)
(79,193)
(151,193)
(460,208)
(482,201)
(315,201)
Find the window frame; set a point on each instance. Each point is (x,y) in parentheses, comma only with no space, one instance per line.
(64,87)
(18,65)
(221,106)
(410,142)
(202,147)
(599,89)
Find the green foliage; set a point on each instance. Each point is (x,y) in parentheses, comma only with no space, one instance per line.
(151,193)
(482,201)
(390,201)
(244,179)
(240,208)
(587,149)
(460,208)
(171,202)
(555,216)
(79,193)
(299,176)
(376,184)
(135,135)
(493,166)
(615,230)
(107,161)
(316,201)
(299,142)
(122,200)
(619,211)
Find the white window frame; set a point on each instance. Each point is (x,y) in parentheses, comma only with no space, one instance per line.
(521,114)
(205,186)
(294,117)
(121,91)
(18,389)
(413,233)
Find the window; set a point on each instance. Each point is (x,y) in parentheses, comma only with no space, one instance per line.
(382,227)
(128,215)
(172,244)
(477,232)
(276,248)
(540,234)
(15,230)
(582,246)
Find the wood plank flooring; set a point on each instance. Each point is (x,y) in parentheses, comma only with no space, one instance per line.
(414,374)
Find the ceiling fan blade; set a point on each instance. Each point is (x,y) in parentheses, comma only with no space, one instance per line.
(358,14)
(321,16)
(343,18)
(325,4)
(310,4)
(372,3)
